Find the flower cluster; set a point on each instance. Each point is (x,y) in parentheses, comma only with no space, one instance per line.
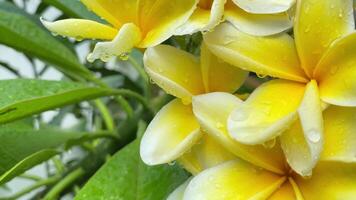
(293,137)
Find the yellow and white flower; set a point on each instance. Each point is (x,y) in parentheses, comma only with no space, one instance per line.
(317,66)
(133,23)
(333,178)
(174,130)
(256,17)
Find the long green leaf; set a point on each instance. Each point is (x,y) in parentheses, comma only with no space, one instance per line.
(125,176)
(24,97)
(22,147)
(20,32)
(27,163)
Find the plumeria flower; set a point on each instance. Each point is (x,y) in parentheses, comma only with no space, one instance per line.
(174,130)
(238,179)
(317,66)
(132,23)
(256,17)
(243,179)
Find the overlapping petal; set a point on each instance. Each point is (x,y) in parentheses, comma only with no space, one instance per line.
(233,180)
(318,24)
(330,180)
(310,115)
(219,75)
(175,71)
(127,38)
(275,56)
(257,24)
(172,132)
(336,72)
(197,22)
(285,192)
(81,29)
(212,111)
(264,6)
(303,142)
(340,134)
(205,154)
(159,19)
(269,111)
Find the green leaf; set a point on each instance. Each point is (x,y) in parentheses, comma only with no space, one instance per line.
(125,176)
(27,163)
(22,33)
(73,9)
(22,147)
(25,97)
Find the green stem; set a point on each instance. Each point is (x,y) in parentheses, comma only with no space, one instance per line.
(58,165)
(38,184)
(143,75)
(102,135)
(105,113)
(121,101)
(125,105)
(31,177)
(138,97)
(62,185)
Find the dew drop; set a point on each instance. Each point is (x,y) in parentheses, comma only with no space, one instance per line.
(261,75)
(124,56)
(313,136)
(172,163)
(270,144)
(219,125)
(239,116)
(54,33)
(90,58)
(78,38)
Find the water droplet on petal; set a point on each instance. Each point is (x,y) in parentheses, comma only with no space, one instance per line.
(219,125)
(239,116)
(313,135)
(124,56)
(270,144)
(172,163)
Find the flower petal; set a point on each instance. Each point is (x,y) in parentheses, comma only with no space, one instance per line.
(330,180)
(317,25)
(340,135)
(206,154)
(219,76)
(311,118)
(197,22)
(296,150)
(336,72)
(275,56)
(81,29)
(212,111)
(160,19)
(257,24)
(285,192)
(173,131)
(233,180)
(127,38)
(175,71)
(264,6)
(117,12)
(178,193)
(269,110)
(205,17)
